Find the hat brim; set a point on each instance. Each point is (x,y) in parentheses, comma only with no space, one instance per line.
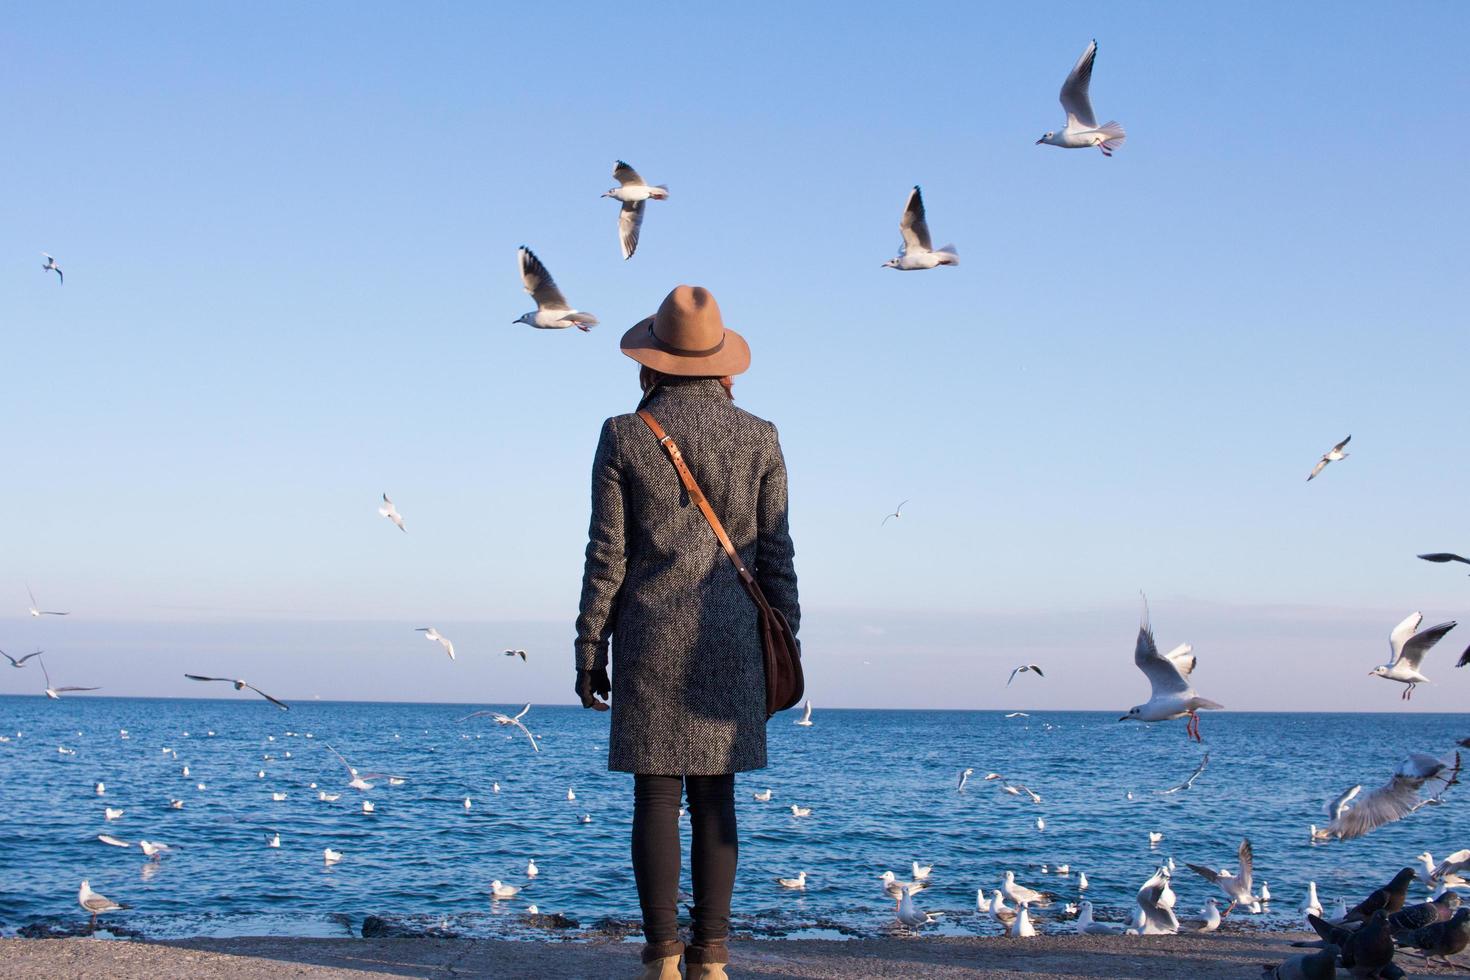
(641,345)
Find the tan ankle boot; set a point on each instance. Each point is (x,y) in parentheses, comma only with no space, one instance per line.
(663,968)
(707,962)
(707,971)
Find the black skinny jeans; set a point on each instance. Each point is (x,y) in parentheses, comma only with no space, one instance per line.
(656,854)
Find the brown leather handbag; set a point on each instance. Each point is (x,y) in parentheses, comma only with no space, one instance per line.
(784,680)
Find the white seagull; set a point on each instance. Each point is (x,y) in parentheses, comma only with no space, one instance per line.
(50,266)
(1023,669)
(764,796)
(1021,894)
(897,513)
(531,869)
(499,890)
(517,653)
(503,719)
(1086,926)
(1331,456)
(1171,695)
(386,509)
(965,775)
(22,661)
(1392,801)
(55,693)
(240,686)
(36,611)
(329,856)
(908,914)
(1082,129)
(800,811)
(634,193)
(1237,887)
(798,882)
(359,781)
(96,904)
(430,633)
(805,721)
(153,849)
(916,251)
(553,312)
(1409,648)
(1156,903)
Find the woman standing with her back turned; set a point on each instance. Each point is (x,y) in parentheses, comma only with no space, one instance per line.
(688,681)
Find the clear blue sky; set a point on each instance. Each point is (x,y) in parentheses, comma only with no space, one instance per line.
(289,235)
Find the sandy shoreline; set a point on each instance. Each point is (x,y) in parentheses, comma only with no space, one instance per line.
(1198,957)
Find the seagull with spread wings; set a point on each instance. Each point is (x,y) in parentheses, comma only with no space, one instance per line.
(1331,456)
(917,250)
(1024,669)
(1238,886)
(36,611)
(50,266)
(897,513)
(1392,801)
(55,693)
(430,633)
(634,193)
(359,781)
(1082,129)
(240,686)
(1188,782)
(553,312)
(386,509)
(1409,645)
(1171,695)
(504,719)
(517,653)
(21,662)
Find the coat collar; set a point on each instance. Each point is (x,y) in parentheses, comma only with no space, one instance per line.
(682,388)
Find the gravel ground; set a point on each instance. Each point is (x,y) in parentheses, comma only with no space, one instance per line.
(1201,957)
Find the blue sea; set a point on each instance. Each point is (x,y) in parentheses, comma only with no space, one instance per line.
(881,785)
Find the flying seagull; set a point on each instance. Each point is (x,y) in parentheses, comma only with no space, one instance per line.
(1409,647)
(430,633)
(359,781)
(1171,695)
(965,775)
(1190,781)
(1082,129)
(553,312)
(897,512)
(517,653)
(1331,456)
(917,251)
(240,686)
(504,719)
(55,693)
(1237,887)
(22,661)
(1444,556)
(386,509)
(1392,801)
(805,721)
(36,610)
(50,266)
(634,193)
(1024,668)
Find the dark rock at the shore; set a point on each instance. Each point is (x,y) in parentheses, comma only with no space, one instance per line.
(379,927)
(554,920)
(67,930)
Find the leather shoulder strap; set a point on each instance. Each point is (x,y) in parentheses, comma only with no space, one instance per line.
(696,495)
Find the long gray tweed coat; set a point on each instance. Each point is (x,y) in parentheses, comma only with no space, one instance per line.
(687,671)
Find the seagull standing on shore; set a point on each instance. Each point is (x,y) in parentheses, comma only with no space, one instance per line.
(553,312)
(1409,648)
(916,251)
(96,904)
(1087,926)
(36,611)
(1082,129)
(634,193)
(430,633)
(386,509)
(240,686)
(50,266)
(1171,695)
(1331,456)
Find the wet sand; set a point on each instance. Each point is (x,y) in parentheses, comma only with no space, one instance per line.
(1197,957)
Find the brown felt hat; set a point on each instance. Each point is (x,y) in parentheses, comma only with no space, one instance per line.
(687,337)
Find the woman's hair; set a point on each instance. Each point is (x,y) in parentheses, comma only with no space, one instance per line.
(649,379)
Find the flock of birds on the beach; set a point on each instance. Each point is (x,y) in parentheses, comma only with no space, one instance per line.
(1362,939)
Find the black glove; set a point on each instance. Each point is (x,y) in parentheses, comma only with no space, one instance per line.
(593,685)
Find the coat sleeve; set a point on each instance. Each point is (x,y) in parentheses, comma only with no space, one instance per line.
(775,567)
(602,577)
